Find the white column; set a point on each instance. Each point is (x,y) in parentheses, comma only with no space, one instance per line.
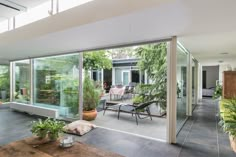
(80,90)
(113,76)
(31,81)
(199,82)
(171,91)
(12,80)
(189,86)
(11,23)
(196,83)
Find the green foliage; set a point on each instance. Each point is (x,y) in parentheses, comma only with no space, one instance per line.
(39,128)
(90,94)
(5,79)
(138,99)
(50,127)
(228,116)
(218,92)
(153,60)
(55,128)
(96,60)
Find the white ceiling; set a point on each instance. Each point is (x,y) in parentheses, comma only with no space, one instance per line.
(6,12)
(205,28)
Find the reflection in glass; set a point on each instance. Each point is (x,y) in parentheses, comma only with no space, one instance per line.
(22,81)
(194,79)
(56,83)
(4,82)
(182,58)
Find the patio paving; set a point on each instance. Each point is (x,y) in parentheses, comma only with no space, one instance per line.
(155,128)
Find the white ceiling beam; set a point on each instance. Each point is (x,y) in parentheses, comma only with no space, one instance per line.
(13,5)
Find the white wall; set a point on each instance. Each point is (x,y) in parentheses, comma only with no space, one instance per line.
(212,73)
(225,67)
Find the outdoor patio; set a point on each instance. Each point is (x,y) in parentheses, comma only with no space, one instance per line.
(155,128)
(127,123)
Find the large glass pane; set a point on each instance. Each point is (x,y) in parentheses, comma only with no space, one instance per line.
(22,81)
(56,83)
(4,83)
(138,75)
(194,79)
(182,58)
(3,26)
(33,14)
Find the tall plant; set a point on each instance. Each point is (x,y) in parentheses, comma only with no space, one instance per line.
(90,94)
(153,58)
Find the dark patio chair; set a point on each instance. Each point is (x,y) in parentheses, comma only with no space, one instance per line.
(136,110)
(101,105)
(133,109)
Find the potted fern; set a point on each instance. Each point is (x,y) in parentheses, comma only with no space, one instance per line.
(91,97)
(49,128)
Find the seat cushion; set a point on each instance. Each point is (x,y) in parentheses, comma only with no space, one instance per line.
(79,127)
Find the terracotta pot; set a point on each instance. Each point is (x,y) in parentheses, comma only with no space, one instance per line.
(233,143)
(89,115)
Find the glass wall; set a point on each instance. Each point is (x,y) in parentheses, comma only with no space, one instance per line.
(22,81)
(4,83)
(194,79)
(182,64)
(56,83)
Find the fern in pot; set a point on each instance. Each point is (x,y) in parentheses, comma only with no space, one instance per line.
(50,128)
(39,128)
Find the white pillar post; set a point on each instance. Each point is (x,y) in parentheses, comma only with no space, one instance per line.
(199,82)
(12,84)
(189,86)
(171,91)
(31,81)
(80,90)
(196,82)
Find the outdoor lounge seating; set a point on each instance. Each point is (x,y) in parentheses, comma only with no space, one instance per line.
(133,109)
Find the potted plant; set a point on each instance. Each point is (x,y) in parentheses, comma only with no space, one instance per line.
(39,129)
(55,128)
(47,128)
(91,98)
(228,120)
(218,92)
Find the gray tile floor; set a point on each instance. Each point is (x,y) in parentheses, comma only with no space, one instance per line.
(200,137)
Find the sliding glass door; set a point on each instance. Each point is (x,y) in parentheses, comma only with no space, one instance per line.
(182,63)
(56,83)
(22,81)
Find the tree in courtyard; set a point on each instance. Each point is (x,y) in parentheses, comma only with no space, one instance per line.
(96,60)
(153,60)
